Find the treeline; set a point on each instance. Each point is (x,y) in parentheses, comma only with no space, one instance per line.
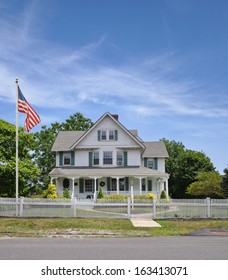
(192,174)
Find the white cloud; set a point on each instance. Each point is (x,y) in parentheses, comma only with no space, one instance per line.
(62,75)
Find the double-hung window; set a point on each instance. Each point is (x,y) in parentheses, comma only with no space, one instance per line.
(103,135)
(96,158)
(119,158)
(107,158)
(111,135)
(150,163)
(66,159)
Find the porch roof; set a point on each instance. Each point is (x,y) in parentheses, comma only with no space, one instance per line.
(107,172)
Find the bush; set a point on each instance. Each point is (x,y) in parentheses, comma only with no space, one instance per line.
(51,191)
(145,196)
(163,195)
(100,194)
(66,193)
(116,196)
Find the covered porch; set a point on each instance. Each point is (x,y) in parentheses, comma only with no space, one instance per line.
(85,183)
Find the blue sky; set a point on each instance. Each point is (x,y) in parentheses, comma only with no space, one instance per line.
(161,65)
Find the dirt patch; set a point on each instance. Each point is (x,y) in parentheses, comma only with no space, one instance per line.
(209,232)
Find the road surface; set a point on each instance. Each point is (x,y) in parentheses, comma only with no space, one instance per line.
(157,248)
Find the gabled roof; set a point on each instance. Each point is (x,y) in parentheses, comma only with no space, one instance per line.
(113,117)
(155,149)
(65,139)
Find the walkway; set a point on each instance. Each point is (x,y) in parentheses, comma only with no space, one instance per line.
(143,220)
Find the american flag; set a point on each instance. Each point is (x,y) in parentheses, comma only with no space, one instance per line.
(32,118)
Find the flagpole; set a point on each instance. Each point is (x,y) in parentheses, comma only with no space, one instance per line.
(17,177)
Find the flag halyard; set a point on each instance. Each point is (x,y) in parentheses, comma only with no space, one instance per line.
(32,118)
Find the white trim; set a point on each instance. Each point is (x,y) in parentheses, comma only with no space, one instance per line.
(95,125)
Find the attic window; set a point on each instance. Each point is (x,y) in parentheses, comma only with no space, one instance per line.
(107,135)
(111,135)
(103,135)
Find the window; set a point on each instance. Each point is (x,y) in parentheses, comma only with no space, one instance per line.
(66,183)
(107,158)
(113,185)
(111,135)
(119,158)
(89,185)
(107,135)
(121,184)
(103,135)
(150,163)
(96,158)
(143,185)
(67,159)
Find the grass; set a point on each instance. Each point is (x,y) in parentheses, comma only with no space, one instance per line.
(75,227)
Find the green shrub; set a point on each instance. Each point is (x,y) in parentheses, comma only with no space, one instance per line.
(163,195)
(51,191)
(116,196)
(100,194)
(66,193)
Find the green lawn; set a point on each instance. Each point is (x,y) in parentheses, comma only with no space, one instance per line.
(75,227)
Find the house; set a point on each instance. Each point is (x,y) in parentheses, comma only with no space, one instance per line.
(109,156)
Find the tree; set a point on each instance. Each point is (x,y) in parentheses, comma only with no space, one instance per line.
(28,171)
(224,182)
(207,184)
(183,166)
(45,159)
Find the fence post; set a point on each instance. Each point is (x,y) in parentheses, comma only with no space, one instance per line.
(74,201)
(132,197)
(154,207)
(129,207)
(208,201)
(21,206)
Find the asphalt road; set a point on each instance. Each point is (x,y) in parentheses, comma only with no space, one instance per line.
(151,248)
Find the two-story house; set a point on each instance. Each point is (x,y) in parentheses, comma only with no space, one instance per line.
(109,156)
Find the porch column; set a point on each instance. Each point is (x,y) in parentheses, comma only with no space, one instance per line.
(167,188)
(140,185)
(72,187)
(117,185)
(95,185)
(53,178)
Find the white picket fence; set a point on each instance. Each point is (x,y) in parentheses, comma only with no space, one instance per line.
(156,209)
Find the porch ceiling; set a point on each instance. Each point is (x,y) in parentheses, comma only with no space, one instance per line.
(107,172)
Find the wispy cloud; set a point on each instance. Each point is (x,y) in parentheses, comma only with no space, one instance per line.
(61,74)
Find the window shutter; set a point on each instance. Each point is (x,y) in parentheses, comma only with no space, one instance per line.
(81,185)
(108,184)
(145,162)
(156,163)
(60,158)
(72,158)
(90,159)
(98,135)
(127,184)
(149,186)
(125,158)
(116,135)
